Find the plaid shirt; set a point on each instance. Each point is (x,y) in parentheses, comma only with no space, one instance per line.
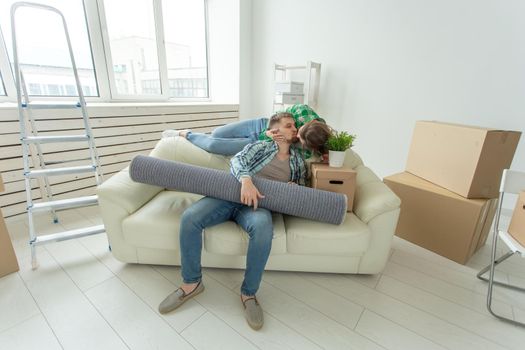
(302,114)
(257,155)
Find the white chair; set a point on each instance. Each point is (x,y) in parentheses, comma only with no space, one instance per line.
(511,182)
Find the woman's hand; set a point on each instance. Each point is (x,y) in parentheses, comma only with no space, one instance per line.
(249,193)
(275,135)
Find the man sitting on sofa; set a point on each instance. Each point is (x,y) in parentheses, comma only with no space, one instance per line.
(274,160)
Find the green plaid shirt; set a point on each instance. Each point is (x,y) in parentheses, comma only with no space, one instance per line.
(302,114)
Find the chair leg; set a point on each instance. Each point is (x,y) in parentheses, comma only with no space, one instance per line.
(489,303)
(496,262)
(491,269)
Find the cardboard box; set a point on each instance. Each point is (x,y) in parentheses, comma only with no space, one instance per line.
(289,99)
(291,87)
(340,180)
(440,220)
(517,222)
(8,262)
(466,160)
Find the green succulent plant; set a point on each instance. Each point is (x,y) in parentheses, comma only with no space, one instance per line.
(340,141)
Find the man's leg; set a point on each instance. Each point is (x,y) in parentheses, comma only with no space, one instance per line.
(204,213)
(258,225)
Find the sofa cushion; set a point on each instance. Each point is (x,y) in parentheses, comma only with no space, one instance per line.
(351,238)
(229,238)
(156,224)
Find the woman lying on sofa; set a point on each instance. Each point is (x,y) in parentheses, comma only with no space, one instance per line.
(275,160)
(232,138)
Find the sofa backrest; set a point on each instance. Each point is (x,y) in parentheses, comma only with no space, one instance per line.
(352,159)
(181,150)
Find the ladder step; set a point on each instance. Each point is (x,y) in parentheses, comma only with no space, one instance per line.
(54,162)
(65,235)
(54,105)
(50,139)
(65,203)
(61,171)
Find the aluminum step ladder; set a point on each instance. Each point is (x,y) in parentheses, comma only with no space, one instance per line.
(41,170)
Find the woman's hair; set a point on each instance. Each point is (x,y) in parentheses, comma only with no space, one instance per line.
(315,134)
(274,119)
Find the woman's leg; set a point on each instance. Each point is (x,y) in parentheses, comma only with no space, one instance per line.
(241,129)
(224,146)
(230,138)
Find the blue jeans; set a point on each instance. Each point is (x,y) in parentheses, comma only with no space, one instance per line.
(211,211)
(231,138)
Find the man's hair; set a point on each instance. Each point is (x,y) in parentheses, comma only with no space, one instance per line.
(277,117)
(315,134)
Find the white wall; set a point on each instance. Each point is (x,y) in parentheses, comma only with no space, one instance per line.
(388,63)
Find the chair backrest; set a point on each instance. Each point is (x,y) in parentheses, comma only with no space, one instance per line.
(512,181)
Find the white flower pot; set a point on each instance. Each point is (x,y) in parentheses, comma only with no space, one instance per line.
(336,158)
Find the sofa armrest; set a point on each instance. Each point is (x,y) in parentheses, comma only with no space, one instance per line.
(372,196)
(121,190)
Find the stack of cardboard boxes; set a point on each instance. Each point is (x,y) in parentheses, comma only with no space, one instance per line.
(8,262)
(450,188)
(289,92)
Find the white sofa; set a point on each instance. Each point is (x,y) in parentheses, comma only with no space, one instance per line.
(142,223)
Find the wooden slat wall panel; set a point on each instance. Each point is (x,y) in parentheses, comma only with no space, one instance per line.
(121,132)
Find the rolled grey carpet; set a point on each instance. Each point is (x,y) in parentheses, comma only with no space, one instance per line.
(280,197)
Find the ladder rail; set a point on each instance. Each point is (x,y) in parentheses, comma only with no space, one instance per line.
(21,118)
(25,107)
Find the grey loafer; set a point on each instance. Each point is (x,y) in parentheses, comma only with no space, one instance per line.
(178,297)
(253,313)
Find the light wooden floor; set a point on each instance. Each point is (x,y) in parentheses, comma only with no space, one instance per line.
(83,298)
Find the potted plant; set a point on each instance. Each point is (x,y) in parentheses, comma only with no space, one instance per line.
(337,144)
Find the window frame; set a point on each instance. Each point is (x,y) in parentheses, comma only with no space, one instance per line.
(102,62)
(162,58)
(5,70)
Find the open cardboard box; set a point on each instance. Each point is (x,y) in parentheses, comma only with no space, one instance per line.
(340,180)
(8,262)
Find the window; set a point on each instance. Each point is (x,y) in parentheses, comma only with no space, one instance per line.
(34,89)
(185,38)
(141,66)
(53,90)
(142,49)
(42,46)
(133,44)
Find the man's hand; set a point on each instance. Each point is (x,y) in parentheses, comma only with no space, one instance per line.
(249,193)
(275,135)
